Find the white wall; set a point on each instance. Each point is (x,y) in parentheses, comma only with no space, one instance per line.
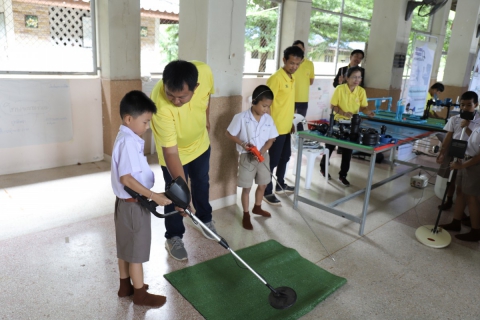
(321,92)
(86,144)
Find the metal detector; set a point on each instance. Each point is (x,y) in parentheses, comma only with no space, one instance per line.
(177,191)
(431,235)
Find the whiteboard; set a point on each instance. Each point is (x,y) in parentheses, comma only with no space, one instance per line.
(34,112)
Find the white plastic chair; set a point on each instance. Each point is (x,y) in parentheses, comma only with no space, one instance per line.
(311,154)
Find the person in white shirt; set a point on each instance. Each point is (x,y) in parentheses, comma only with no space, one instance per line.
(454,128)
(468,184)
(254,128)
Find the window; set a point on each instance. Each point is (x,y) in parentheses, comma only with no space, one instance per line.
(261,36)
(47,37)
(348,18)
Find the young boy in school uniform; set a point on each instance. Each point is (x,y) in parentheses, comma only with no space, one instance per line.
(468,183)
(253,127)
(132,221)
(454,128)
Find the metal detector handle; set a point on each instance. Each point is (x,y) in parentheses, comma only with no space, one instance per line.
(455,159)
(150,205)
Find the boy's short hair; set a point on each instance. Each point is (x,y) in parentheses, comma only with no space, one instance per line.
(438,86)
(296,42)
(470,95)
(352,70)
(261,92)
(293,51)
(358,51)
(180,72)
(136,103)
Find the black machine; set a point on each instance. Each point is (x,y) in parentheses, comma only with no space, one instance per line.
(177,191)
(350,130)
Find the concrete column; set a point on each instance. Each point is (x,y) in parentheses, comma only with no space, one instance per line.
(439,29)
(295,24)
(462,49)
(213,31)
(118,23)
(389,35)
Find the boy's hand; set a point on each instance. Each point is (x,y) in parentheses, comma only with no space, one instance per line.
(247,146)
(455,165)
(340,79)
(161,199)
(440,158)
(464,123)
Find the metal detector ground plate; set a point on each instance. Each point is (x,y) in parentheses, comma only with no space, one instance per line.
(283,299)
(438,240)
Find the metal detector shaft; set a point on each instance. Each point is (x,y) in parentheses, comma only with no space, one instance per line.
(434,230)
(224,244)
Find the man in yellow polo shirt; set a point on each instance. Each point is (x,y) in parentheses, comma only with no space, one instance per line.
(180,129)
(282,84)
(304,77)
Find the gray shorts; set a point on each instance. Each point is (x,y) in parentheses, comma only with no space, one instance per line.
(133,231)
(249,169)
(469,179)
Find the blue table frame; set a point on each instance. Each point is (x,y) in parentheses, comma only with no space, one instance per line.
(401,133)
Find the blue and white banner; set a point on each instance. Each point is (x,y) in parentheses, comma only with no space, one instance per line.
(475,82)
(421,71)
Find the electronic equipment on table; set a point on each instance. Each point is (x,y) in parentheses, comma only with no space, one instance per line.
(351,130)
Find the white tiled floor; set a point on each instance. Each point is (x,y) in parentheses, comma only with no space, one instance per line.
(57,248)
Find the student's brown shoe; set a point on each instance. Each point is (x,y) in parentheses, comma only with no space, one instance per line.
(258,210)
(246,221)
(142,298)
(126,288)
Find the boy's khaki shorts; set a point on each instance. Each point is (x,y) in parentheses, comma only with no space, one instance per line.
(249,169)
(469,179)
(133,231)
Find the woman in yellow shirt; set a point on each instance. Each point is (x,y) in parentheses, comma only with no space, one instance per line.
(348,99)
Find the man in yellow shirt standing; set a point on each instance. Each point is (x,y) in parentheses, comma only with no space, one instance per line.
(304,77)
(282,84)
(180,129)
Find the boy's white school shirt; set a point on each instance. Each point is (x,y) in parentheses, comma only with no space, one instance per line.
(128,158)
(473,146)
(453,125)
(245,127)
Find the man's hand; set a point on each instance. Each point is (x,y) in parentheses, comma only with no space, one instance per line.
(182,212)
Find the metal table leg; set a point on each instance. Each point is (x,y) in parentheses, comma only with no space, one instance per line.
(297,171)
(367,193)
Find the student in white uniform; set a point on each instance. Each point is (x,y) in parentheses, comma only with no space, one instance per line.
(468,187)
(254,128)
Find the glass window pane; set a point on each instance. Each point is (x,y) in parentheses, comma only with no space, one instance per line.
(43,36)
(359,8)
(322,42)
(354,35)
(421,24)
(330,5)
(261,36)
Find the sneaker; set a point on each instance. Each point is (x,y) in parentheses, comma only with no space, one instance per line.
(286,189)
(344,181)
(272,200)
(204,232)
(323,174)
(176,248)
